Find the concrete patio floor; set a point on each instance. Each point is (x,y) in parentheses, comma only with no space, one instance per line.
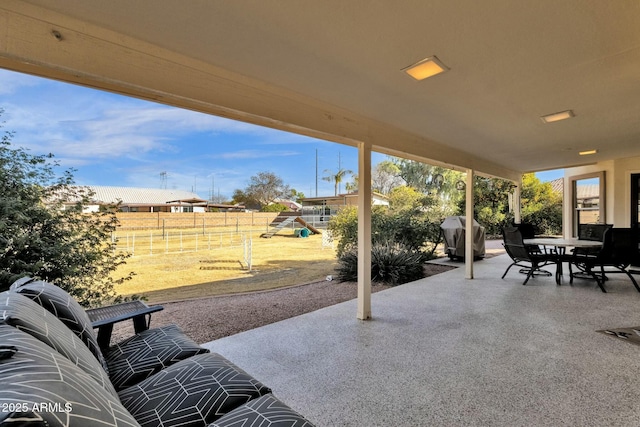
(446,351)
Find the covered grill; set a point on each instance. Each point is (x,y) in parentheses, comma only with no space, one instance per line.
(453,230)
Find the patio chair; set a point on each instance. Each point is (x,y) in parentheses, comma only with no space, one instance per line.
(528,232)
(593,231)
(619,250)
(529,258)
(526,229)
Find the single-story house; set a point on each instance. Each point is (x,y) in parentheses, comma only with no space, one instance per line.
(290,204)
(346,199)
(136,199)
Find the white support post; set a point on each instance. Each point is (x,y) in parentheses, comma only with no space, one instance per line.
(517,208)
(364,231)
(468,234)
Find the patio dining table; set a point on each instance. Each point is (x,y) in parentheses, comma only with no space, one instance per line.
(561,245)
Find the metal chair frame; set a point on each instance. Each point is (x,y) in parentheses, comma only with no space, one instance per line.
(619,250)
(529,258)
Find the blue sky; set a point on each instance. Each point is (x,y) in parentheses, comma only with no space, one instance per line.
(114,140)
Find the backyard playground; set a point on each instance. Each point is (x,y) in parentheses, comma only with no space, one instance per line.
(175,261)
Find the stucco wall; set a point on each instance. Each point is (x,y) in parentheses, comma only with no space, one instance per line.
(617,187)
(622,178)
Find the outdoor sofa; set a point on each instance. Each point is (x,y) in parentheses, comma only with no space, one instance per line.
(54,373)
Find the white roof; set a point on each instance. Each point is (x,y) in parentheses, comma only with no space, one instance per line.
(584,191)
(588,191)
(137,195)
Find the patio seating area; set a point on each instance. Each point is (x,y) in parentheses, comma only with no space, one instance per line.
(53,371)
(449,351)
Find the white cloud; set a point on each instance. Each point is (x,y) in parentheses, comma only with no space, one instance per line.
(223,181)
(132,141)
(79,124)
(110,133)
(254,154)
(276,137)
(11,82)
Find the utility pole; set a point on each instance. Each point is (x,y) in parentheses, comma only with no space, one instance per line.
(339,170)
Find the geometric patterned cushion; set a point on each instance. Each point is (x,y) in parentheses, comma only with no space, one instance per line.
(22,281)
(40,387)
(64,307)
(265,411)
(24,314)
(195,391)
(148,352)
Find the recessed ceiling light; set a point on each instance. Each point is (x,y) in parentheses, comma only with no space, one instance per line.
(428,67)
(556,117)
(587,152)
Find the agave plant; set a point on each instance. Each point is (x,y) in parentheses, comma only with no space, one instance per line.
(392,264)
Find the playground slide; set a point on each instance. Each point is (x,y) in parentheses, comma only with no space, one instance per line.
(306,224)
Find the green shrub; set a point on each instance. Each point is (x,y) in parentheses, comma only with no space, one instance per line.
(392,264)
(344,226)
(274,207)
(410,228)
(45,234)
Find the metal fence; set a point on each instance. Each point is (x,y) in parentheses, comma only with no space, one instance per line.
(176,241)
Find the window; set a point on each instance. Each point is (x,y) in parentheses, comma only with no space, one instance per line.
(588,195)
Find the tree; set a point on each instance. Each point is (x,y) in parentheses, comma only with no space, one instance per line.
(263,189)
(541,206)
(407,198)
(296,195)
(491,203)
(385,177)
(336,178)
(415,174)
(434,180)
(352,186)
(241,197)
(45,234)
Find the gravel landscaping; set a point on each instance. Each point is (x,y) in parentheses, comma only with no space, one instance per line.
(207,319)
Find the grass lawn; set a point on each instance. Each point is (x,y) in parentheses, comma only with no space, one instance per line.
(280,261)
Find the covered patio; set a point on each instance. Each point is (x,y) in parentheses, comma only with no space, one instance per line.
(446,351)
(512,87)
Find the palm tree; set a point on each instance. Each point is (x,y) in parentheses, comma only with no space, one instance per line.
(336,178)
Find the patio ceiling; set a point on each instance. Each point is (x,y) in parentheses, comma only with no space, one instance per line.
(332,69)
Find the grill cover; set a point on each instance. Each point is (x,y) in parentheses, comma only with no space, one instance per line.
(453,230)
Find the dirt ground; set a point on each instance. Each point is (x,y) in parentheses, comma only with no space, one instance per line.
(281,261)
(207,319)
